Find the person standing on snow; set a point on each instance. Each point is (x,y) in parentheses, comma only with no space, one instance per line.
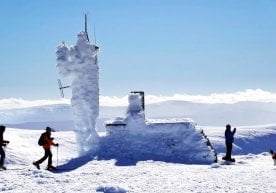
(3,143)
(47,142)
(229,139)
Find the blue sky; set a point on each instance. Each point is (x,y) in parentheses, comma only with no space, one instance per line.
(161,47)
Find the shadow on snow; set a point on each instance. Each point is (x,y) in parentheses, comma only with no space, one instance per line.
(128,155)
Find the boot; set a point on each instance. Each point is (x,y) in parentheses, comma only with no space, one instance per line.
(50,168)
(2,167)
(36,165)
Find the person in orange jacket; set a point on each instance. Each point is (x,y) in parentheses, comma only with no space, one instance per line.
(47,143)
(2,143)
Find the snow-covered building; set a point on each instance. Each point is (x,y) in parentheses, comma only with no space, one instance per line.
(174,140)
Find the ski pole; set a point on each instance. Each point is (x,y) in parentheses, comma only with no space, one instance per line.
(57,156)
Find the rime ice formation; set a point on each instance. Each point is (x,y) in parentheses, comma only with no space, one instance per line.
(135,138)
(135,114)
(80,62)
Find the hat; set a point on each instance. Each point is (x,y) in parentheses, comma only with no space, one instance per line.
(228,126)
(2,128)
(50,129)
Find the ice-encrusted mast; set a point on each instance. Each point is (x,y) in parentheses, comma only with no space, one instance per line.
(80,62)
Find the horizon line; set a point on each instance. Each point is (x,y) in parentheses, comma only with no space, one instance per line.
(249,95)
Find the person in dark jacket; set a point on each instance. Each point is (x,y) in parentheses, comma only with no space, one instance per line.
(273,155)
(47,143)
(3,143)
(229,139)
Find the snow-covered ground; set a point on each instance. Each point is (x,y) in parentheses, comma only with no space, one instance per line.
(253,172)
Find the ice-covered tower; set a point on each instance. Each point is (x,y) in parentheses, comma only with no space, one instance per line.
(80,62)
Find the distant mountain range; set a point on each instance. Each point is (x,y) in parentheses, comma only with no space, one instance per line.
(242,113)
(237,114)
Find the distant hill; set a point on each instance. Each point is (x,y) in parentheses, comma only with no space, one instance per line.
(242,113)
(238,114)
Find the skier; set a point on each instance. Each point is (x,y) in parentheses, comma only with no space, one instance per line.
(2,143)
(229,139)
(47,142)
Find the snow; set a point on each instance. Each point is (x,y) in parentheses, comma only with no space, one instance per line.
(251,173)
(109,171)
(135,138)
(80,62)
(249,139)
(135,153)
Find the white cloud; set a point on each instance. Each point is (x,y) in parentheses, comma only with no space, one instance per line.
(113,101)
(257,95)
(12,103)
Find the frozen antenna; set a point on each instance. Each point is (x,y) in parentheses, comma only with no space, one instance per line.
(61,88)
(95,38)
(85,26)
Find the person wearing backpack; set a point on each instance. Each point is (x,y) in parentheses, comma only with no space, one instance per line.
(46,141)
(3,143)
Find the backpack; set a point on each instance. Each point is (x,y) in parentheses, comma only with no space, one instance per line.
(41,140)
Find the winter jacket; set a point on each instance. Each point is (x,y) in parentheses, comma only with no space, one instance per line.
(47,141)
(2,141)
(229,135)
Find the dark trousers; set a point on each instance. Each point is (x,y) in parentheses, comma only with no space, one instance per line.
(228,150)
(48,154)
(2,153)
